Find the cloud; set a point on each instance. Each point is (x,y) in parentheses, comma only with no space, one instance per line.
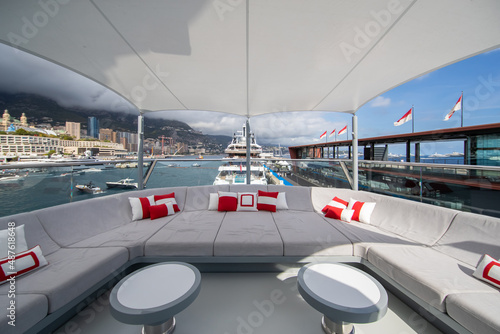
(381,101)
(25,73)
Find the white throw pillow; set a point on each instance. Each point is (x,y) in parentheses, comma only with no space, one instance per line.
(281,204)
(213,203)
(15,234)
(362,210)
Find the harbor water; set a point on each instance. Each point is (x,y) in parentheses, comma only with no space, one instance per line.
(53,186)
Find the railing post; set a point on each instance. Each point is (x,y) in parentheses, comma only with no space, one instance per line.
(140,150)
(355,151)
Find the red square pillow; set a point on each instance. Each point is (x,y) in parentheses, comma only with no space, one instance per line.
(267,200)
(340,214)
(247,202)
(227,201)
(336,203)
(168,198)
(161,210)
(140,206)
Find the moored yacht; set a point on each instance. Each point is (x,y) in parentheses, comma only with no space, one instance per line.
(236,172)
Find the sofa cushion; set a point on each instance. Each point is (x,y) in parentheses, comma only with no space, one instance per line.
(33,231)
(307,234)
(297,198)
(364,236)
(191,233)
(132,236)
(248,234)
(425,272)
(30,309)
(70,272)
(470,236)
(478,312)
(197,198)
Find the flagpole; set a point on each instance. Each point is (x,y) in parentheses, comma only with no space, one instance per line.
(462,109)
(412,119)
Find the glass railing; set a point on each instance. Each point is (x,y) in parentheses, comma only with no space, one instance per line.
(462,187)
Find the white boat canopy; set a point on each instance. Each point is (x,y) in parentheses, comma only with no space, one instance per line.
(251,57)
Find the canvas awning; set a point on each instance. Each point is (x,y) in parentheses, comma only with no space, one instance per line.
(251,57)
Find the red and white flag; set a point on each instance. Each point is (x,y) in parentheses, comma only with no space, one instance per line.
(406,117)
(323,135)
(343,130)
(457,106)
(332,133)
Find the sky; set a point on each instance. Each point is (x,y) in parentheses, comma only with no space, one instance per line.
(432,95)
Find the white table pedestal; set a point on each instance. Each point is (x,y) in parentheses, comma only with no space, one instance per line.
(332,327)
(165,328)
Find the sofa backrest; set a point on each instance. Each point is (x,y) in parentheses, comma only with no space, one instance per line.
(470,236)
(73,222)
(297,198)
(419,222)
(34,232)
(197,198)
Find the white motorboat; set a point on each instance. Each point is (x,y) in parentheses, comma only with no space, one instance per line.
(123,184)
(89,188)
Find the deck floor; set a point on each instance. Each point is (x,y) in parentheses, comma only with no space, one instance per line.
(248,303)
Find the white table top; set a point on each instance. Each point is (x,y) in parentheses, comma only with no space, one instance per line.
(156,286)
(341,285)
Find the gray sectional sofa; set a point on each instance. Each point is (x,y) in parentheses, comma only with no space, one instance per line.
(426,253)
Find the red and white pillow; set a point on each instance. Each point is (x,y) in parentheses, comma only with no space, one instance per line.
(25,262)
(167,199)
(267,200)
(488,270)
(228,201)
(161,210)
(247,202)
(340,214)
(336,203)
(140,206)
(362,210)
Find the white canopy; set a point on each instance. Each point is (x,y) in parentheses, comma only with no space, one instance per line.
(251,57)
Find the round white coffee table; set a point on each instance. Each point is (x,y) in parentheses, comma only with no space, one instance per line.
(152,296)
(344,295)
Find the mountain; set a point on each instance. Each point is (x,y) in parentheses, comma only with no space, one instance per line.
(40,109)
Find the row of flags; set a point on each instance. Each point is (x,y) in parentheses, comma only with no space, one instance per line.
(341,132)
(406,117)
(409,115)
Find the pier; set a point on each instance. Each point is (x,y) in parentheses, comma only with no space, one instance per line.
(481,145)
